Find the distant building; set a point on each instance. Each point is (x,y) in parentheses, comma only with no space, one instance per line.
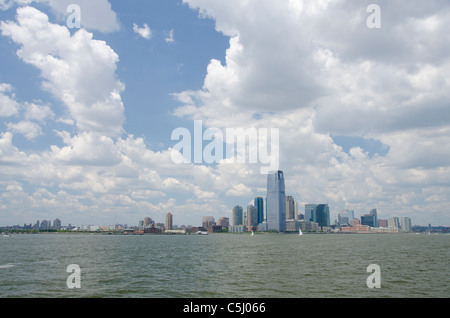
(323,215)
(290,208)
(208,221)
(57,224)
(310,212)
(394,222)
(169,221)
(405,224)
(223,222)
(238,215)
(252,216)
(147,221)
(345,216)
(368,220)
(276,202)
(354,222)
(259,204)
(382,223)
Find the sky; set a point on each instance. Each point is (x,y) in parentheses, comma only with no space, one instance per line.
(360,97)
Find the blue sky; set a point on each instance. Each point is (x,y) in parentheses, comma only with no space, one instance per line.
(87,114)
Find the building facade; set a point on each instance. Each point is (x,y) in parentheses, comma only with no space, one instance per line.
(276,202)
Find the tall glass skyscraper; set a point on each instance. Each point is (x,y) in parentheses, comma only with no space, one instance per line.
(238,215)
(259,204)
(276,202)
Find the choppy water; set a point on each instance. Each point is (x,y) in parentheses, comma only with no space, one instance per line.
(225,265)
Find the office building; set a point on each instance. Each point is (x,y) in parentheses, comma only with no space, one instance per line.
(259,204)
(368,220)
(290,208)
(310,212)
(169,221)
(208,221)
(345,216)
(405,224)
(252,216)
(238,215)
(276,202)
(373,212)
(394,222)
(323,215)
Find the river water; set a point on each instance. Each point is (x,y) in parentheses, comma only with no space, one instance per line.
(224,265)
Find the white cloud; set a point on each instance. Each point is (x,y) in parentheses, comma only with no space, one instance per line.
(8,104)
(29,129)
(170,38)
(77,69)
(95,15)
(144,31)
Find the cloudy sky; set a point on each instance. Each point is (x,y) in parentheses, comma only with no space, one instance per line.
(87,113)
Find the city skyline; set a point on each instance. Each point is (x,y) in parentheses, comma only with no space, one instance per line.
(89,103)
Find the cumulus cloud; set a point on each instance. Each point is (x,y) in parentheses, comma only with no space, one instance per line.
(76,69)
(144,31)
(95,15)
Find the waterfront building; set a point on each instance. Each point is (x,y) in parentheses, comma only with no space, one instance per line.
(405,224)
(373,212)
(310,212)
(208,221)
(252,216)
(382,223)
(169,221)
(223,222)
(276,202)
(290,208)
(323,215)
(259,204)
(354,222)
(345,216)
(394,222)
(368,220)
(238,216)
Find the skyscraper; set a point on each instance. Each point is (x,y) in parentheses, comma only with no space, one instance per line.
(169,221)
(373,212)
(259,204)
(237,215)
(310,212)
(252,216)
(276,202)
(290,208)
(323,215)
(405,224)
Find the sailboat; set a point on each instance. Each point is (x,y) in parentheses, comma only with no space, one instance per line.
(300,233)
(253,233)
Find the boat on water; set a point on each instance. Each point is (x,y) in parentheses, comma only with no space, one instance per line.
(300,233)
(253,233)
(202,233)
(6,235)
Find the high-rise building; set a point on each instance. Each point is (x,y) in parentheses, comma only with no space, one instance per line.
(57,224)
(252,216)
(238,215)
(208,221)
(276,202)
(259,204)
(368,219)
(345,216)
(223,222)
(405,224)
(394,222)
(290,208)
(310,212)
(147,221)
(323,215)
(169,221)
(373,212)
